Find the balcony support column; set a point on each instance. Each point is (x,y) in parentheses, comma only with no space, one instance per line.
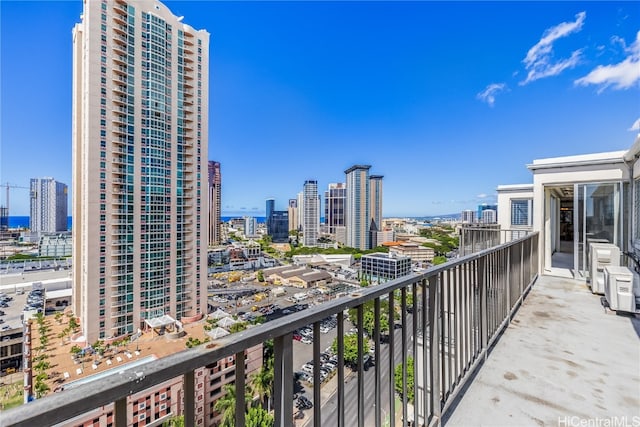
(434,344)
(283,380)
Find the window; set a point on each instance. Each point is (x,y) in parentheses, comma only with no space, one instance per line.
(521,212)
(636,208)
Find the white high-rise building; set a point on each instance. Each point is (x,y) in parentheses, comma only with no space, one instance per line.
(375,194)
(468,216)
(357,208)
(48,206)
(311,207)
(489,216)
(334,201)
(140,150)
(300,211)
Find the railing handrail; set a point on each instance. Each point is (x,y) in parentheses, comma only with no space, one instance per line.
(108,390)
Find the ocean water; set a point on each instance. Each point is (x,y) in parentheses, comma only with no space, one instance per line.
(23,221)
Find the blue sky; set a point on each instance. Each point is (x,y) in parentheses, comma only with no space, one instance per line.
(447,100)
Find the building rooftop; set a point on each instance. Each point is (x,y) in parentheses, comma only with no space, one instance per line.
(561,356)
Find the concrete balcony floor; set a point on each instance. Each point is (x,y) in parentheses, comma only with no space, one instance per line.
(561,362)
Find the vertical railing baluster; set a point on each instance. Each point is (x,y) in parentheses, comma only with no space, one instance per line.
(360,361)
(120,411)
(434,342)
(341,395)
(317,403)
(240,389)
(403,335)
(376,344)
(392,359)
(424,353)
(483,305)
(416,313)
(283,380)
(189,398)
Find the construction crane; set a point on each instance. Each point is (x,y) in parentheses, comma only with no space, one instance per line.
(9,186)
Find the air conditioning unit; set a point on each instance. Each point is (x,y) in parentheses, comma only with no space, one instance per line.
(602,255)
(619,288)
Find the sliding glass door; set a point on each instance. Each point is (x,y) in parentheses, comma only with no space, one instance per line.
(598,218)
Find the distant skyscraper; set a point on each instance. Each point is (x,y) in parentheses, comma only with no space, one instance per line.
(4,218)
(250,226)
(484,207)
(334,206)
(468,216)
(215,203)
(489,216)
(48,206)
(279,226)
(357,209)
(300,198)
(293,214)
(269,208)
(375,193)
(140,150)
(311,224)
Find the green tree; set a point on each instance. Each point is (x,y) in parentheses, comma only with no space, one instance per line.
(262,383)
(58,317)
(258,417)
(226,405)
(350,348)
(42,366)
(41,388)
(439,260)
(369,317)
(237,327)
(410,379)
(73,324)
(75,350)
(260,276)
(177,421)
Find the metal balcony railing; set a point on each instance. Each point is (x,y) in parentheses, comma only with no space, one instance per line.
(459,309)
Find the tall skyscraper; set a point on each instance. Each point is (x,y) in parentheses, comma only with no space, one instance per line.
(468,216)
(140,142)
(375,192)
(334,205)
(48,206)
(293,214)
(269,208)
(215,203)
(300,198)
(311,224)
(357,209)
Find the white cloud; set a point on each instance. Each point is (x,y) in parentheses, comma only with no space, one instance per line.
(622,75)
(489,94)
(635,125)
(539,60)
(481,196)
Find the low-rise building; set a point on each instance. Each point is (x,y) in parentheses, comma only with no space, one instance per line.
(416,252)
(380,267)
(300,277)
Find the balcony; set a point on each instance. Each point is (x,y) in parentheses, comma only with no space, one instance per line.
(490,337)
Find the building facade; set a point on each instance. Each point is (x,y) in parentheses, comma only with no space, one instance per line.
(311,224)
(215,203)
(48,213)
(270,206)
(334,206)
(140,142)
(279,226)
(375,194)
(357,208)
(468,216)
(380,267)
(250,226)
(293,214)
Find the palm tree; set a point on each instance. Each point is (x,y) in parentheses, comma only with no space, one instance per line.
(262,383)
(226,405)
